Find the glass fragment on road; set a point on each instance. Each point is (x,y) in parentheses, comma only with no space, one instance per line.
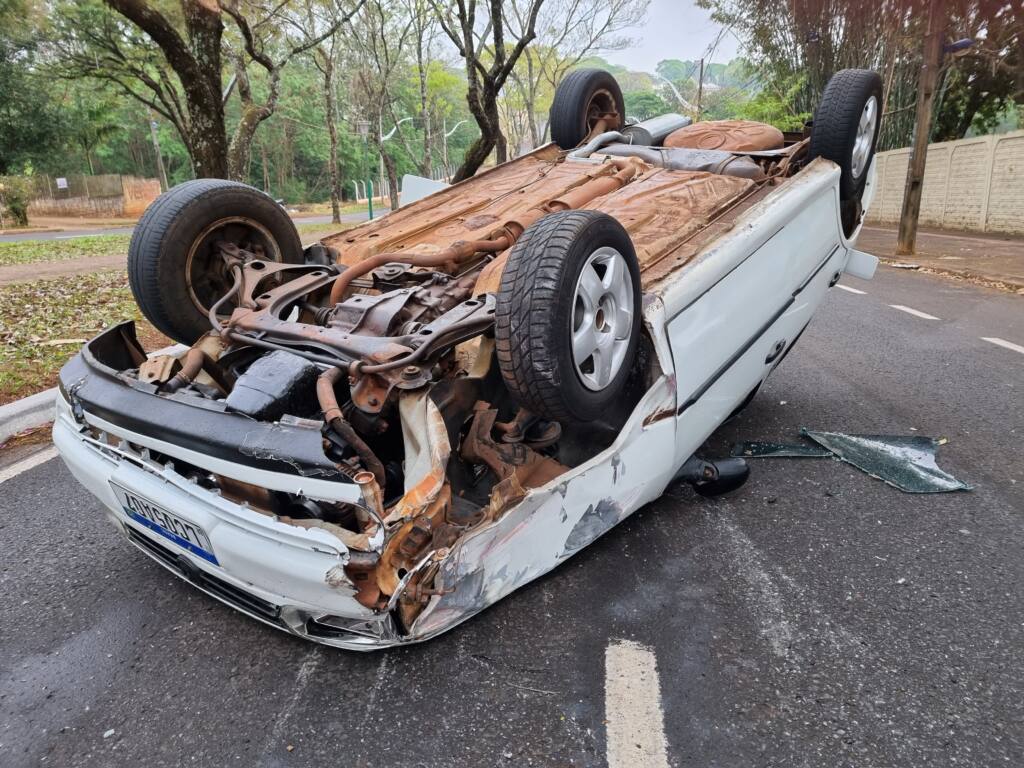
(760,449)
(906,462)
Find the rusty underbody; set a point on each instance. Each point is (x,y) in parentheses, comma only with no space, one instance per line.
(397,334)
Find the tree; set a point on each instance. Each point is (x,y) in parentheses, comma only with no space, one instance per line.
(645,104)
(423,22)
(567,32)
(482,43)
(378,38)
(813,40)
(29,120)
(172,60)
(324,55)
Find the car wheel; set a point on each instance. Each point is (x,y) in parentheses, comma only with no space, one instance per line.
(567,315)
(174,267)
(846,125)
(584,97)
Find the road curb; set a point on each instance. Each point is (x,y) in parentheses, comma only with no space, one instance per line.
(32,231)
(1007,284)
(32,411)
(36,410)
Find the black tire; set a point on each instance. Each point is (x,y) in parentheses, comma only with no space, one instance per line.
(536,309)
(836,120)
(174,271)
(583,94)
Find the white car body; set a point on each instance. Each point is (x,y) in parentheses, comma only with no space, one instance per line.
(718,326)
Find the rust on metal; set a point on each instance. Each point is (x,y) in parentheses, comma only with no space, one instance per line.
(728,135)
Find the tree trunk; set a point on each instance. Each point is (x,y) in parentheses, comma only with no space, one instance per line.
(208,153)
(477,153)
(500,142)
(332,132)
(266,167)
(427,162)
(392,174)
(241,143)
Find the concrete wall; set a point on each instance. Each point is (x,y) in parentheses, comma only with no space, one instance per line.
(132,197)
(971,184)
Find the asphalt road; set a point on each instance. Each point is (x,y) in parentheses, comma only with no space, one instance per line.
(817,617)
(67,234)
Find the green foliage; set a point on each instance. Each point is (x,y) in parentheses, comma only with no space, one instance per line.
(28,117)
(14,198)
(775,107)
(645,104)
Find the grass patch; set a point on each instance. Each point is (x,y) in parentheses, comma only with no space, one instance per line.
(27,251)
(44,323)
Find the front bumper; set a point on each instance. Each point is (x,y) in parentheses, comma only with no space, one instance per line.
(288,577)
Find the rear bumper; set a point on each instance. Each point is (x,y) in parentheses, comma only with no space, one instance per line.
(288,577)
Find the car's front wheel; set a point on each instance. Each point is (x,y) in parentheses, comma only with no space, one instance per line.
(567,316)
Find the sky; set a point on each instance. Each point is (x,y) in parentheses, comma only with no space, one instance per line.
(675,29)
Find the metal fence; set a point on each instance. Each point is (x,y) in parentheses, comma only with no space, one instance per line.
(382,187)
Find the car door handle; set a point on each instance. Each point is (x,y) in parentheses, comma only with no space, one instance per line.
(777,350)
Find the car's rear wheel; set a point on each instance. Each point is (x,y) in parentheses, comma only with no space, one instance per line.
(174,265)
(582,99)
(846,125)
(567,316)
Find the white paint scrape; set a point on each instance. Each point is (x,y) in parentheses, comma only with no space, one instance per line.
(632,704)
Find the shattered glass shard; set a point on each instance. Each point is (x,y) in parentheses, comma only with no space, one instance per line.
(904,462)
(757,449)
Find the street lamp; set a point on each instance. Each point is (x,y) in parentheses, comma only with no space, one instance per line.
(384,138)
(679,97)
(445,133)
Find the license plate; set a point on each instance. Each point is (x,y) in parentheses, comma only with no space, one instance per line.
(185,534)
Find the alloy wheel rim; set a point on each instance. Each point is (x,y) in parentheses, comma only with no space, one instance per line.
(865,136)
(602,318)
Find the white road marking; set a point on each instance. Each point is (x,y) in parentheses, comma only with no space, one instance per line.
(28,463)
(1003,343)
(632,707)
(914,312)
(851,290)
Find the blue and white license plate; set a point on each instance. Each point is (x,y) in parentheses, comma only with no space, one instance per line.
(172,527)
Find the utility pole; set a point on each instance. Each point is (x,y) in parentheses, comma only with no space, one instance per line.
(700,88)
(159,157)
(926,86)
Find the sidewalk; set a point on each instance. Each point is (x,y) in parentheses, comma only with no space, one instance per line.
(988,258)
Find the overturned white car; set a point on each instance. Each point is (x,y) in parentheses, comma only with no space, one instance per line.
(370,440)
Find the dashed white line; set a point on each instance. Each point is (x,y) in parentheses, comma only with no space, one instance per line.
(851,290)
(632,707)
(1003,343)
(914,312)
(26,464)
